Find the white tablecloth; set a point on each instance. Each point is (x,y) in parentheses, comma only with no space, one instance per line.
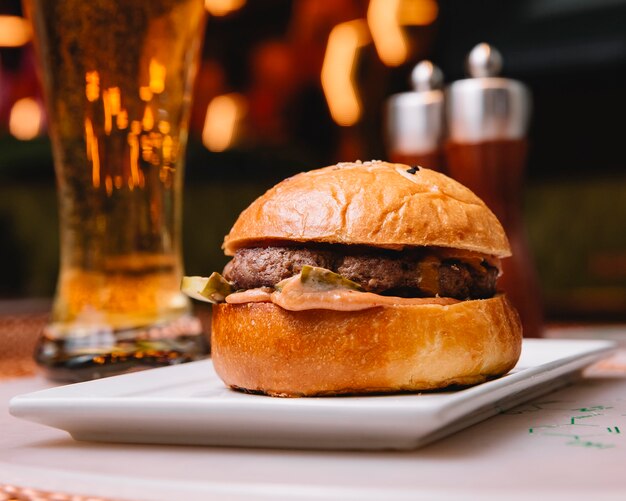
(566,445)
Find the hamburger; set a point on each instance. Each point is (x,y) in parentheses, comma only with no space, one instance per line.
(359,278)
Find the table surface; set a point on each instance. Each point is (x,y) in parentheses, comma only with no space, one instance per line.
(565,445)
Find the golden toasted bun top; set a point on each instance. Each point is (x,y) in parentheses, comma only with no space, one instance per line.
(374,203)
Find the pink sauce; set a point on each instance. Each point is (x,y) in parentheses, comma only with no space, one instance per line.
(294,296)
(260,295)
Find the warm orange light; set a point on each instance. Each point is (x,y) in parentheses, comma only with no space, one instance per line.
(167,149)
(115,99)
(389,39)
(146,147)
(222,118)
(145,94)
(108,184)
(148,119)
(93,155)
(417,12)
(386,18)
(223,7)
(108,120)
(338,68)
(122,119)
(88,137)
(92,86)
(157,76)
(95,152)
(133,143)
(14,31)
(25,119)
(135,127)
(164,127)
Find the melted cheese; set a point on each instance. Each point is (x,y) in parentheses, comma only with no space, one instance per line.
(295,296)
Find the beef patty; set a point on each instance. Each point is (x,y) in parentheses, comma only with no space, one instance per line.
(394,273)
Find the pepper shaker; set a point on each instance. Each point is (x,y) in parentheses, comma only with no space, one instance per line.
(486,150)
(415,120)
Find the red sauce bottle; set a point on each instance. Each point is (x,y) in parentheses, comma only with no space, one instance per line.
(487,119)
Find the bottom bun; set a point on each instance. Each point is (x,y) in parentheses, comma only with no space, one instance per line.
(262,348)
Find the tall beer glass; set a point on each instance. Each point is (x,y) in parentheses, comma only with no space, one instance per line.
(117,77)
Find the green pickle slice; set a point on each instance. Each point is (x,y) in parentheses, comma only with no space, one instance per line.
(212,289)
(215,288)
(321,278)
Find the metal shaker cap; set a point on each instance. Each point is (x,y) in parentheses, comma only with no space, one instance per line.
(486,107)
(414,120)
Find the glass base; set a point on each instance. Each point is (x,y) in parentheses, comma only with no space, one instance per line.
(92,352)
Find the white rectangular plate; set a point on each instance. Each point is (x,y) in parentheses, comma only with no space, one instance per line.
(188,404)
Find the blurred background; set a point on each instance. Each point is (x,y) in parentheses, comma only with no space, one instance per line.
(290,85)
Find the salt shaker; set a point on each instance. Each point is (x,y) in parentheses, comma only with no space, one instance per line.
(487,118)
(415,120)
